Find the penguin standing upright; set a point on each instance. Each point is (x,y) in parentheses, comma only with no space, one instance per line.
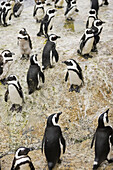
(5,63)
(25,43)
(6,14)
(92,16)
(49,52)
(86,43)
(18,8)
(38,12)
(14,90)
(97,28)
(74,72)
(47,22)
(21,160)
(103,141)
(34,74)
(95,5)
(2,4)
(70,9)
(51,141)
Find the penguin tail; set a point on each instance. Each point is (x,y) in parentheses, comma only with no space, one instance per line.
(50,165)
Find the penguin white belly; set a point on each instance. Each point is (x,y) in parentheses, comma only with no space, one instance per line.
(88,46)
(24,47)
(40,14)
(14,95)
(71,12)
(91,20)
(74,78)
(25,167)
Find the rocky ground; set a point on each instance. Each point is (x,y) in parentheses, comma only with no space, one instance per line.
(80,110)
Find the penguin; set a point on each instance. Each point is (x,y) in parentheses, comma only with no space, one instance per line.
(51,141)
(74,72)
(6,14)
(48,2)
(38,12)
(92,16)
(49,52)
(46,23)
(18,8)
(6,58)
(14,90)
(59,3)
(24,42)
(103,138)
(86,43)
(70,10)
(95,5)
(34,74)
(2,4)
(97,28)
(21,160)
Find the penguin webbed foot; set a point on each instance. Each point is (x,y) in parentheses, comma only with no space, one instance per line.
(94,49)
(39,34)
(12,108)
(77,89)
(76,10)
(110,160)
(23,57)
(71,89)
(19,109)
(38,88)
(59,161)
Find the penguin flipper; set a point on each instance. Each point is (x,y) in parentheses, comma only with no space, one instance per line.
(55,53)
(6,95)
(43,140)
(42,76)
(63,143)
(87,23)
(12,168)
(66,77)
(111,138)
(31,166)
(34,11)
(93,140)
(20,91)
(30,43)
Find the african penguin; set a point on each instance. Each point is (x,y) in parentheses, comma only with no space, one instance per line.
(38,12)
(14,90)
(18,8)
(103,140)
(74,72)
(97,28)
(86,43)
(47,22)
(52,139)
(24,42)
(6,14)
(92,16)
(71,9)
(21,160)
(34,74)
(95,5)
(49,52)
(5,62)
(2,4)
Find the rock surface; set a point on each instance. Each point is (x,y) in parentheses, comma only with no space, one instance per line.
(80,110)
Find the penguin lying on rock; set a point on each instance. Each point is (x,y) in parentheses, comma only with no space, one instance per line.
(14,90)
(51,141)
(21,160)
(49,52)
(103,141)
(25,44)
(34,74)
(74,72)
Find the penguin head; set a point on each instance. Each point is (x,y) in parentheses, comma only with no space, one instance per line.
(89,32)
(22,151)
(23,31)
(98,23)
(51,13)
(53,37)
(103,119)
(11,78)
(33,60)
(73,3)
(39,4)
(92,12)
(21,1)
(71,64)
(7,55)
(53,119)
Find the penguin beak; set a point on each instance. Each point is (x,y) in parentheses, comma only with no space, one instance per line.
(58,37)
(27,150)
(65,62)
(59,113)
(13,53)
(103,22)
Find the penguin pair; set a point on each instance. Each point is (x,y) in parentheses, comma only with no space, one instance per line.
(74,72)
(52,141)
(15,93)
(18,8)
(47,22)
(103,138)
(49,52)
(25,44)
(34,74)
(70,10)
(5,62)
(6,13)
(38,12)
(21,160)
